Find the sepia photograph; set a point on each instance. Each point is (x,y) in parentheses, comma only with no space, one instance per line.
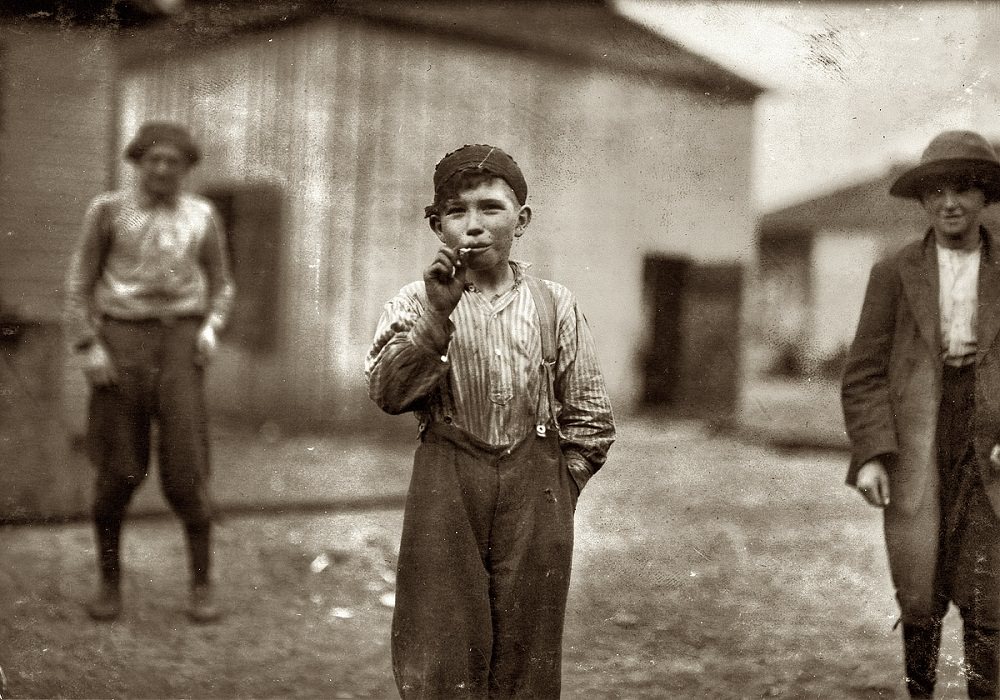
(499,349)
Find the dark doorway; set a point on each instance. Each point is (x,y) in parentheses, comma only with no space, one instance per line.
(710,330)
(692,356)
(664,279)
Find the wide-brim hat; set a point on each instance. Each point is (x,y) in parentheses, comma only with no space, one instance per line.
(953,154)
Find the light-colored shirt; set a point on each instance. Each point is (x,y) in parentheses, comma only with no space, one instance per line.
(138,259)
(958,277)
(489,352)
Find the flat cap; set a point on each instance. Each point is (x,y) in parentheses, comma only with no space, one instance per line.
(153,133)
(486,158)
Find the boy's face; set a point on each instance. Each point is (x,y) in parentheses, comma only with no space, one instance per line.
(953,210)
(486,218)
(162,169)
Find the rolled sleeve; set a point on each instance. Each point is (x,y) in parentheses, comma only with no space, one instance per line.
(586,421)
(218,273)
(408,357)
(85,269)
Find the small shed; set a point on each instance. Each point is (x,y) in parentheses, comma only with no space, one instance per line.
(814,260)
(321,124)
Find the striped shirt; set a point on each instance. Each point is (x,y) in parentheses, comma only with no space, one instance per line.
(958,274)
(139,260)
(485,358)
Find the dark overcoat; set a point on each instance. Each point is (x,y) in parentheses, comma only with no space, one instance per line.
(890,394)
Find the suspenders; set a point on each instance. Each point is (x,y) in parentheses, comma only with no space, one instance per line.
(545,407)
(545,306)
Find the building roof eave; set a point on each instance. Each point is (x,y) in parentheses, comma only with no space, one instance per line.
(585,32)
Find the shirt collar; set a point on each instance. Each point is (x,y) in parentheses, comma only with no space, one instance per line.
(143,200)
(518,267)
(958,253)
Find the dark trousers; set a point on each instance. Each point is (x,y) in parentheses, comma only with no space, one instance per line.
(159,383)
(968,554)
(484,567)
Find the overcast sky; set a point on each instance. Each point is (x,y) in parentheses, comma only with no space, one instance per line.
(852,86)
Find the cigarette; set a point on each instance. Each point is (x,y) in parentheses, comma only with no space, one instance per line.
(462,252)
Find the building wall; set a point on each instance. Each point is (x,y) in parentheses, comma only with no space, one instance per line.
(44,474)
(781,304)
(56,102)
(348,119)
(56,136)
(841,261)
(810,292)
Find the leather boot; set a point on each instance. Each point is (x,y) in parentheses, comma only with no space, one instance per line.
(203,608)
(982,661)
(921,644)
(106,604)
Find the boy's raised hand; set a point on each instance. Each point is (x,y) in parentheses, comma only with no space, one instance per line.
(444,279)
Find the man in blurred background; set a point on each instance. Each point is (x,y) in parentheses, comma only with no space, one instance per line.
(148,289)
(921,400)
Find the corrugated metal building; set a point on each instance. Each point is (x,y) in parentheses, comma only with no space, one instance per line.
(321,123)
(321,128)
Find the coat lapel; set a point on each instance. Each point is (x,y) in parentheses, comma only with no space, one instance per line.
(919,273)
(987,318)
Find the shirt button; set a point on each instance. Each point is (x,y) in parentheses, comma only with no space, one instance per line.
(497,352)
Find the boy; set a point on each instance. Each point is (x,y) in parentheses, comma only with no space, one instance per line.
(920,399)
(500,369)
(147,291)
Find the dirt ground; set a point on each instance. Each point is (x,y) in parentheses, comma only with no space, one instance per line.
(706,567)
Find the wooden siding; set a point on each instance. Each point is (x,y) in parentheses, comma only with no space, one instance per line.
(41,475)
(57,107)
(349,119)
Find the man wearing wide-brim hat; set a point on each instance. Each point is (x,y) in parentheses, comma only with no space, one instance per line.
(921,400)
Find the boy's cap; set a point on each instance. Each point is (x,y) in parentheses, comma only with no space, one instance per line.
(152,133)
(482,157)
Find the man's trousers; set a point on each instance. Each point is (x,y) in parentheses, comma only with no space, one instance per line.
(949,549)
(484,567)
(949,552)
(158,382)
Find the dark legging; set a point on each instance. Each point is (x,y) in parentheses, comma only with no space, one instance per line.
(159,389)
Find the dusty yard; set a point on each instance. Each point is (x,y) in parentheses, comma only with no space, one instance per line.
(706,567)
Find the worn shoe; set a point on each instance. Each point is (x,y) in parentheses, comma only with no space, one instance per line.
(921,646)
(982,660)
(203,608)
(107,604)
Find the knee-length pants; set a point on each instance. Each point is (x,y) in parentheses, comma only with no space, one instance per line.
(158,380)
(484,567)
